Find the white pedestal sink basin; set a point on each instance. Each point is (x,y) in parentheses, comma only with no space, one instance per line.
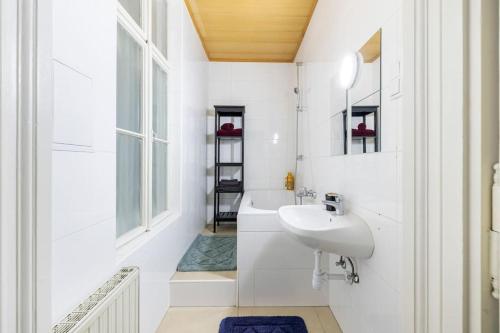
(347,235)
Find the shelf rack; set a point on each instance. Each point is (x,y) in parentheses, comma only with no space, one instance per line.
(362,112)
(220,187)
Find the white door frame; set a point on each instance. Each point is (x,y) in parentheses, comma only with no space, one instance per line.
(482,128)
(25,165)
(8,134)
(434,189)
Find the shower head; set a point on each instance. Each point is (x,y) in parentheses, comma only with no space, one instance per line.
(296,90)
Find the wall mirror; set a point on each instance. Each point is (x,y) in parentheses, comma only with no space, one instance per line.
(338,142)
(364,100)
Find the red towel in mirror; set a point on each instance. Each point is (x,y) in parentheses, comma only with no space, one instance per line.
(227,126)
(362,131)
(233,132)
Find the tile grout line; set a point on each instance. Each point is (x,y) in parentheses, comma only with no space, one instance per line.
(319,319)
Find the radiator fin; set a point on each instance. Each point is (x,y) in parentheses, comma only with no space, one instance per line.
(113,308)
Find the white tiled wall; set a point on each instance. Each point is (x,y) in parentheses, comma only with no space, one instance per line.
(371,182)
(275,270)
(84,243)
(266,90)
(83,159)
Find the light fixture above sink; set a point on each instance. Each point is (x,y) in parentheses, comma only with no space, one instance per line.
(346,235)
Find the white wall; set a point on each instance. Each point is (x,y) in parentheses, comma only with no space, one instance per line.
(266,89)
(370,182)
(84,243)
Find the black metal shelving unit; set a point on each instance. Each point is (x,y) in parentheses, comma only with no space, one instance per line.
(362,112)
(224,186)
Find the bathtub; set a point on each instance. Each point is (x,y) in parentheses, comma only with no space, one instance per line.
(259,209)
(273,268)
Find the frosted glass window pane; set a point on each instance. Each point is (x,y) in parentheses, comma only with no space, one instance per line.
(129,83)
(128,183)
(159,26)
(134,8)
(159,178)
(159,102)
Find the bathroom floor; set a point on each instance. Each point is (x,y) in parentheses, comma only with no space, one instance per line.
(223,229)
(206,320)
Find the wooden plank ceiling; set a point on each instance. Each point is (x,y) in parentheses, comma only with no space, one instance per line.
(251,30)
(372,48)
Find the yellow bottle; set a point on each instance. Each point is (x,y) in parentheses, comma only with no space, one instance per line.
(289,182)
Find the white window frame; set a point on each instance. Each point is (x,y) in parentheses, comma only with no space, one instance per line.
(150,54)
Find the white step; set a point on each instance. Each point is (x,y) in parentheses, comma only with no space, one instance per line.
(203,289)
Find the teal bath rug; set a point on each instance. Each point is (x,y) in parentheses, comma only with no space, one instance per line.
(210,253)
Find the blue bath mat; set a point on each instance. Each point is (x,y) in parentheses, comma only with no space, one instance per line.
(263,325)
(210,253)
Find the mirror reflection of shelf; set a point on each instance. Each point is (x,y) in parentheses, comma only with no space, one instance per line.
(363,112)
(365,99)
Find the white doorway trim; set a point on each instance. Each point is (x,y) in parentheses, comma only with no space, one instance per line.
(8,134)
(25,165)
(482,140)
(434,285)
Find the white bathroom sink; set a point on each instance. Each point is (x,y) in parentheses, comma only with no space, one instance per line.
(347,235)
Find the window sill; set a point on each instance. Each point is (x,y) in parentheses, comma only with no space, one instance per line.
(126,249)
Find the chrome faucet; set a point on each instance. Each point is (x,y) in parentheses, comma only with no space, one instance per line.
(337,203)
(304,192)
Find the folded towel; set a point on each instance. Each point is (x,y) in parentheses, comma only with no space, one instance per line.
(227,126)
(366,132)
(234,132)
(229,185)
(229,182)
(362,126)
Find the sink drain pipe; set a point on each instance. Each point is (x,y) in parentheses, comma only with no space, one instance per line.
(320,276)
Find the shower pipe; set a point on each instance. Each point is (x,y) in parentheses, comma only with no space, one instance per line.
(298,109)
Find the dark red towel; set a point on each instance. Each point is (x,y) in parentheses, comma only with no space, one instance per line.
(366,132)
(227,126)
(234,132)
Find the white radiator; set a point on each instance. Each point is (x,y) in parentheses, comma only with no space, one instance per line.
(113,308)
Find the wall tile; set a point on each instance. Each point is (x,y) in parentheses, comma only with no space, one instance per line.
(272,288)
(73,107)
(286,252)
(391,109)
(387,254)
(71,43)
(81,262)
(246,283)
(257,174)
(219,71)
(373,182)
(219,91)
(84,190)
